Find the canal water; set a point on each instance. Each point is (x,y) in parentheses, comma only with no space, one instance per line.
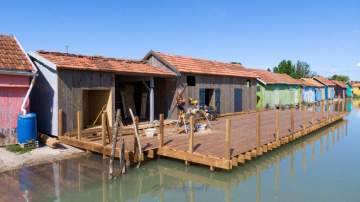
(320,167)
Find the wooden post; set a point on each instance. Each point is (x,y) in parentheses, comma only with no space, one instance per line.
(304,111)
(191,136)
(343,105)
(60,123)
(322,109)
(313,114)
(292,120)
(277,127)
(228,139)
(161,132)
(79,125)
(258,132)
(103,128)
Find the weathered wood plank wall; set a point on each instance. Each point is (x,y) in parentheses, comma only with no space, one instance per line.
(71,83)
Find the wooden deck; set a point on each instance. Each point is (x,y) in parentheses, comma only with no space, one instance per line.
(232,140)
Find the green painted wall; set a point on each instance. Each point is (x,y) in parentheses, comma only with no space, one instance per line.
(277,95)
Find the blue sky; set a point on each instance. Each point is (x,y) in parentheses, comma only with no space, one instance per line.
(326,34)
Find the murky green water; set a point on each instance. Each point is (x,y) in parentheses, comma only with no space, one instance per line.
(321,167)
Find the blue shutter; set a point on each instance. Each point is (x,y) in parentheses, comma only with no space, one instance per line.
(217,99)
(237,100)
(202,96)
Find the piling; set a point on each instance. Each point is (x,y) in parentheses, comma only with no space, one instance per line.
(228,139)
(161,131)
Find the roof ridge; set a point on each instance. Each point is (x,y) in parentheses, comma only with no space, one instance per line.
(195,58)
(58,53)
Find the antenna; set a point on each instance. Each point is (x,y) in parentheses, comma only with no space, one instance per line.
(67,49)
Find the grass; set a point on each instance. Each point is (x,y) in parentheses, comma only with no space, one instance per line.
(15,148)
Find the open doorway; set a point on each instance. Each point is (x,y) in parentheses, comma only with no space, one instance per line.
(94,103)
(209,97)
(132,95)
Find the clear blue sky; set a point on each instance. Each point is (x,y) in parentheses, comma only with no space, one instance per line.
(326,34)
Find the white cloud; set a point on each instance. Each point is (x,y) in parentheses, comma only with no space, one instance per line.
(358,64)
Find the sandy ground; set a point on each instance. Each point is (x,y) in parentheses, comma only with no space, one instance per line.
(43,154)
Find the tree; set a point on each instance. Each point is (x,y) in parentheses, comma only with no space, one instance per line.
(297,71)
(236,63)
(340,77)
(285,67)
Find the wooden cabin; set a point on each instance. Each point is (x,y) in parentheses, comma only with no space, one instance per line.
(349,90)
(329,87)
(355,89)
(340,89)
(16,71)
(92,84)
(312,90)
(222,86)
(276,90)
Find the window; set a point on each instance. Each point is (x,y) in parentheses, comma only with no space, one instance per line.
(248,83)
(258,89)
(190,80)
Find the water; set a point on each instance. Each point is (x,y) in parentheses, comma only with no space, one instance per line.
(321,167)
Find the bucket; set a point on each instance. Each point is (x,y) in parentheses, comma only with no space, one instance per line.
(26,128)
(150,132)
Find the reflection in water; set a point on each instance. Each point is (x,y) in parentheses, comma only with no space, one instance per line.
(84,179)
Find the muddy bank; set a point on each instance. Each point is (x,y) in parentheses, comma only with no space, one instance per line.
(44,154)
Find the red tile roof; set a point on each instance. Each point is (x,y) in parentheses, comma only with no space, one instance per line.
(201,66)
(99,63)
(341,84)
(275,78)
(324,81)
(12,56)
(355,84)
(312,82)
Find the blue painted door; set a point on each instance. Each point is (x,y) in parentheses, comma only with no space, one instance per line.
(237,100)
(326,93)
(202,96)
(217,99)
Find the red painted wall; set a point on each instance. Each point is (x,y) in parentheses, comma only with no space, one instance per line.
(12,92)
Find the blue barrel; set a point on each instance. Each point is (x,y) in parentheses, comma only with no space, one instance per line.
(26,128)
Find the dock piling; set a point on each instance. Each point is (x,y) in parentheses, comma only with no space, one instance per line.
(258,133)
(277,127)
(191,135)
(60,122)
(161,131)
(228,139)
(79,125)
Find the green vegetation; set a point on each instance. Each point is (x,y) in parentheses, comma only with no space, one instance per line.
(297,71)
(15,148)
(340,77)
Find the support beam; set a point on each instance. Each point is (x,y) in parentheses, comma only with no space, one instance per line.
(103,128)
(152,104)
